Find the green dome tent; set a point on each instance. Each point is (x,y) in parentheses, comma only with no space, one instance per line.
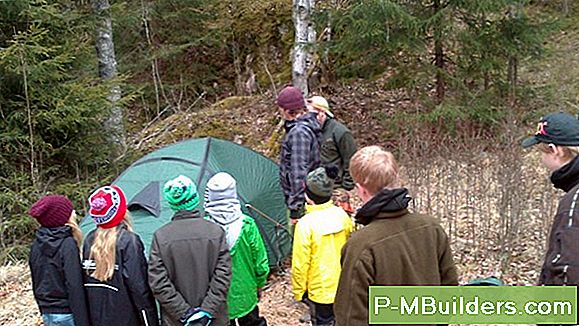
(199,159)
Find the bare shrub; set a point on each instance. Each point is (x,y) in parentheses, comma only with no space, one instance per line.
(496,202)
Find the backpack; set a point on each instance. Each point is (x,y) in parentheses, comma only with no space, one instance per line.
(486,281)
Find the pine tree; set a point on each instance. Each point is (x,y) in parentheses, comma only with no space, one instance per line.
(51,109)
(373,35)
(458,44)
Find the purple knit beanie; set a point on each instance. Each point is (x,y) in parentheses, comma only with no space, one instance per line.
(291,98)
(52,210)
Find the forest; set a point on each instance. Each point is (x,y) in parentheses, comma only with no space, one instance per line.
(451,87)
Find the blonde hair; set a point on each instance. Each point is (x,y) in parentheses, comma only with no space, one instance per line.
(569,152)
(375,169)
(76,232)
(104,248)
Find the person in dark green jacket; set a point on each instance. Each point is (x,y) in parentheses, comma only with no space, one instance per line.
(338,144)
(250,266)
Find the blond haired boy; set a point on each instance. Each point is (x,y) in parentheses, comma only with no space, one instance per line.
(395,246)
(557,139)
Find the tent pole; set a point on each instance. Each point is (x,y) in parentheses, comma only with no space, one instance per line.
(277,224)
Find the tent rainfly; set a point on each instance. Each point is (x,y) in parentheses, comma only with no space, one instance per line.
(199,159)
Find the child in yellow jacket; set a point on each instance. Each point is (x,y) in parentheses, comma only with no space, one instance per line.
(318,240)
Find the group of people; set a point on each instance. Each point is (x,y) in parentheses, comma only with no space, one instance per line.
(209,268)
(313,138)
(332,266)
(201,270)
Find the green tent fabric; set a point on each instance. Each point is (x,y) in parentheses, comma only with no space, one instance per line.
(199,159)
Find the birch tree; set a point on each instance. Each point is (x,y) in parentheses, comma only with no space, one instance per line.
(107,65)
(305,38)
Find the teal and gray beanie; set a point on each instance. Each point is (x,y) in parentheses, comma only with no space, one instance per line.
(181,193)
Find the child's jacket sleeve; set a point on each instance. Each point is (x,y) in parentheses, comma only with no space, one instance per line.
(348,226)
(135,276)
(74,282)
(300,261)
(259,254)
(358,273)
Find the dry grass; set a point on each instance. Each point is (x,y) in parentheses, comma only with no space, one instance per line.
(277,304)
(475,202)
(496,213)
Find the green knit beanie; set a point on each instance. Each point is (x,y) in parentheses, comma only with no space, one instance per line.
(181,193)
(320,182)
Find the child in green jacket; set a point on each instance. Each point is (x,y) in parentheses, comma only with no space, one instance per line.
(249,261)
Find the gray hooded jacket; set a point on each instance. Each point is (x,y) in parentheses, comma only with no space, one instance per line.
(223,207)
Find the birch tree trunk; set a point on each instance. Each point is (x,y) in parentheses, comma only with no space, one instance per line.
(107,65)
(305,38)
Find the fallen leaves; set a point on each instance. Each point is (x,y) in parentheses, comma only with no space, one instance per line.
(17,305)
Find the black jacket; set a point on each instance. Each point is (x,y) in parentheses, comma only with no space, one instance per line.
(57,274)
(300,154)
(190,266)
(125,299)
(561,265)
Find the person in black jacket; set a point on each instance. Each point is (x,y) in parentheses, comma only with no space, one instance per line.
(115,266)
(55,263)
(557,139)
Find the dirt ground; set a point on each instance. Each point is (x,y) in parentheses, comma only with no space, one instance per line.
(18,308)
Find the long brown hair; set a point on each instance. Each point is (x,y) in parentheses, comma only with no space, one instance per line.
(104,248)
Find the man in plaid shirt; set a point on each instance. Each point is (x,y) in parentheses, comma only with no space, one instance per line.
(300,149)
